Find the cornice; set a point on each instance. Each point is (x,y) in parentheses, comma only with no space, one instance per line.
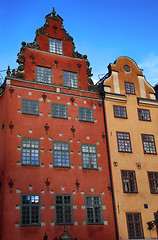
(115,97)
(147,102)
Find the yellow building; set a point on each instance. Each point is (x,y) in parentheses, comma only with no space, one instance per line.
(131,111)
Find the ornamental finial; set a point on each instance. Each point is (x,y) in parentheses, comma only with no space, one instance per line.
(54,12)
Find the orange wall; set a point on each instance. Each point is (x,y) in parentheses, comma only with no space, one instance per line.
(132,202)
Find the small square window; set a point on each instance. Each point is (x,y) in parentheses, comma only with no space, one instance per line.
(144,115)
(30,210)
(30,107)
(55,46)
(129,181)
(129,87)
(124,144)
(86,114)
(61,154)
(120,112)
(94,209)
(153,181)
(30,151)
(43,74)
(148,144)
(70,79)
(59,110)
(89,156)
(63,209)
(134,224)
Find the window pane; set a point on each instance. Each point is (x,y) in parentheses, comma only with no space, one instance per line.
(124,144)
(70,79)
(94,210)
(30,209)
(64,210)
(55,46)
(59,110)
(29,106)
(43,74)
(129,181)
(86,114)
(153,181)
(89,156)
(144,115)
(61,154)
(30,152)
(134,225)
(129,87)
(149,144)
(120,112)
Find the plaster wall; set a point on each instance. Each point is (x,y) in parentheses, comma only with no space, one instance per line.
(132,202)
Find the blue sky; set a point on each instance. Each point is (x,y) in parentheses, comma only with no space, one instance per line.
(103,30)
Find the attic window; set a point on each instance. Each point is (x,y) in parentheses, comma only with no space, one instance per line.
(55,46)
(126,68)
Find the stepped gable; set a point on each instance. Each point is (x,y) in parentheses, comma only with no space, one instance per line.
(53,27)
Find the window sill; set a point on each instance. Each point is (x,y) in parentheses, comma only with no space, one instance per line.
(30,165)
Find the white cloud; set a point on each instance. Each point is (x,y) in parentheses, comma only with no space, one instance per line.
(150,68)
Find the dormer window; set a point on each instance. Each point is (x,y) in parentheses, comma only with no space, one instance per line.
(55,46)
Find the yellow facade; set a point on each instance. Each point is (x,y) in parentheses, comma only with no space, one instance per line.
(139,161)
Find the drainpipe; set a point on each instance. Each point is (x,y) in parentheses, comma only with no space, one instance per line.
(109,162)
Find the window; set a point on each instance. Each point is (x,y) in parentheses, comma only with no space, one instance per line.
(134,223)
(30,210)
(61,154)
(153,181)
(126,68)
(63,209)
(30,151)
(86,114)
(156,219)
(30,107)
(144,115)
(55,46)
(129,87)
(148,144)
(44,74)
(94,209)
(129,181)
(59,110)
(120,112)
(124,144)
(89,156)
(70,79)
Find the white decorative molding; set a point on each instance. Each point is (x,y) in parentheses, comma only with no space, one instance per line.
(116,82)
(147,102)
(141,80)
(115,97)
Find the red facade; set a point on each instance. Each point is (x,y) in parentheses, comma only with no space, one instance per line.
(53,161)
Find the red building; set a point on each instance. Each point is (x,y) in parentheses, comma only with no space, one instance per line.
(54,171)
